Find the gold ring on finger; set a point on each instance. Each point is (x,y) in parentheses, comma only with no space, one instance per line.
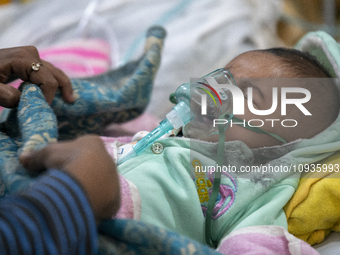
(36,66)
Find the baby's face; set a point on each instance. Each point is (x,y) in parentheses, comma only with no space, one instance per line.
(255,69)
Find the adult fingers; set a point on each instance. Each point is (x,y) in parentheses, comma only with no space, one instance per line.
(46,81)
(87,160)
(54,155)
(63,81)
(83,152)
(9,96)
(25,63)
(18,61)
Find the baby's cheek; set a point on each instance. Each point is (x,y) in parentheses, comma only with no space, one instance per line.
(232,133)
(236,132)
(250,138)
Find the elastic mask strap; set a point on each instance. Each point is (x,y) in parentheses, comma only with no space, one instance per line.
(216,186)
(256,129)
(217,174)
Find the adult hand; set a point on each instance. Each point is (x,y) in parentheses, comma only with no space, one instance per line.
(17,63)
(87,160)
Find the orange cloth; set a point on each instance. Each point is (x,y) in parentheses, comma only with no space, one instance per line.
(5,1)
(9,1)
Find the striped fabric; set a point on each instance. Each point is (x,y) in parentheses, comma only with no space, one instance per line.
(79,58)
(52,217)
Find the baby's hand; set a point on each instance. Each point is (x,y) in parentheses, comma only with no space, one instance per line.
(24,63)
(87,160)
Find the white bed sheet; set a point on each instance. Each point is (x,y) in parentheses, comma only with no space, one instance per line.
(203,35)
(330,246)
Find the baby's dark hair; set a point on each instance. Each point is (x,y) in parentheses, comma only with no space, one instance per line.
(302,63)
(326,101)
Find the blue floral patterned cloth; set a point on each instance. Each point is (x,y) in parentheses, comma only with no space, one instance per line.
(116,96)
(135,237)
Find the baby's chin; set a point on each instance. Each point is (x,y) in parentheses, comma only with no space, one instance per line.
(192,132)
(186,131)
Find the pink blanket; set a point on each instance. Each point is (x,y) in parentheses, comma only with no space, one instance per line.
(264,240)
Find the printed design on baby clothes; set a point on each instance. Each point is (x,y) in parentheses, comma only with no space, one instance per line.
(226,196)
(204,181)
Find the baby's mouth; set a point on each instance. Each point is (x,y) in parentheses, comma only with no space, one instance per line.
(196,132)
(186,130)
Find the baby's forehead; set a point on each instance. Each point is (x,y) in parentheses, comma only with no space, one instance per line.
(257,64)
(254,56)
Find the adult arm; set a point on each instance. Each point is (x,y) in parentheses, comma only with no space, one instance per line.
(58,214)
(52,217)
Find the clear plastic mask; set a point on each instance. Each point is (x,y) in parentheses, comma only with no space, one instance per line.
(208,100)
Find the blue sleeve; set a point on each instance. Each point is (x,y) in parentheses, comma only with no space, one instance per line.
(51,217)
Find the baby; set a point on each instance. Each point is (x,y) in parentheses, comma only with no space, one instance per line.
(162,185)
(174,195)
(280,67)
(171,192)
